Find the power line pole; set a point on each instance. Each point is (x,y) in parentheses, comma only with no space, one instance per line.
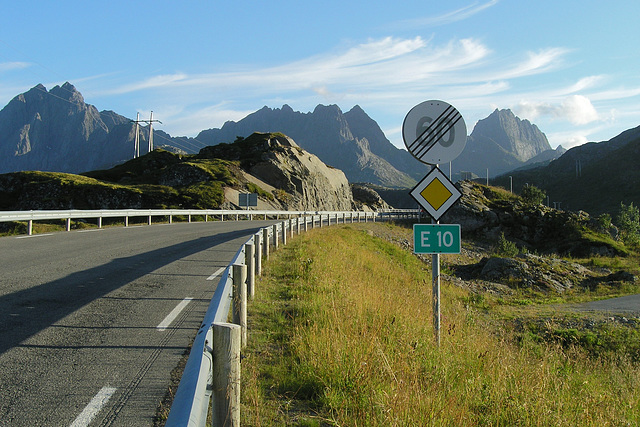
(136,144)
(150,121)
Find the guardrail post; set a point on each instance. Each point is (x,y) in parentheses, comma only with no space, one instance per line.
(100,222)
(265,242)
(170,219)
(250,261)
(206,217)
(189,217)
(275,236)
(298,225)
(320,220)
(221,217)
(68,226)
(149,220)
(284,232)
(225,410)
(30,227)
(258,241)
(306,226)
(240,299)
(126,221)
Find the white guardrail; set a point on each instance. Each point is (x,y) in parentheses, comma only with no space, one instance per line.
(68,215)
(197,389)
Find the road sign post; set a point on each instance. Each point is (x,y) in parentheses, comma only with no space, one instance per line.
(434,132)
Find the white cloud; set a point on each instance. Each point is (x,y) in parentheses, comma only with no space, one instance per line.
(568,139)
(576,109)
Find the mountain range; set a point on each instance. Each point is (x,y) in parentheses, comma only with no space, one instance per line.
(56,130)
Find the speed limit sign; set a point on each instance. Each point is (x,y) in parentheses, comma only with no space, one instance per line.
(434,132)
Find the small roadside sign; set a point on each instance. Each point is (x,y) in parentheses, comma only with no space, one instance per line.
(436,193)
(436,238)
(248,199)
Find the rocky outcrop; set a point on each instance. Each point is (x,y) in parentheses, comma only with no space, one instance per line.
(351,142)
(302,181)
(366,198)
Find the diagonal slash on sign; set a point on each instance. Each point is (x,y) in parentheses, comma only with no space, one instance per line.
(445,122)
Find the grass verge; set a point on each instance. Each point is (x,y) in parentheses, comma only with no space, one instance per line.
(340,334)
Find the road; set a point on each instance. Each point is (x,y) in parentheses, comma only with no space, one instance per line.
(86,331)
(628,305)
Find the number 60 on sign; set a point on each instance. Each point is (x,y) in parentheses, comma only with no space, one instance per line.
(436,238)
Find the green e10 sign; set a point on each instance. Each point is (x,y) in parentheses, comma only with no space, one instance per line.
(436,238)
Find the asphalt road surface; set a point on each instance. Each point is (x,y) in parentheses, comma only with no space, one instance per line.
(628,305)
(92,323)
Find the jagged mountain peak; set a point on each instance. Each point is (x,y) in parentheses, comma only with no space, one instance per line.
(67,92)
(57,131)
(513,134)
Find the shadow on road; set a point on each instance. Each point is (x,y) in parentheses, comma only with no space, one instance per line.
(27,312)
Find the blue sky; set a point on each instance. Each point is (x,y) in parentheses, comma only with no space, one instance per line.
(570,67)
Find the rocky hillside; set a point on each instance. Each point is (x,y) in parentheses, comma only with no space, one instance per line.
(275,159)
(352,142)
(594,177)
(484,213)
(272,165)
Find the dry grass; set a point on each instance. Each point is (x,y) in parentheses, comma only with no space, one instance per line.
(340,334)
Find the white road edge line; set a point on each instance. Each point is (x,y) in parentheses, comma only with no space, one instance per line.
(34,235)
(92,409)
(216,274)
(174,313)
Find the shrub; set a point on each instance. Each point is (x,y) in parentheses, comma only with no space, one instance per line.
(628,222)
(532,195)
(505,247)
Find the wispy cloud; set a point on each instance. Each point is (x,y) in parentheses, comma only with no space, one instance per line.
(445,18)
(374,65)
(387,75)
(11,66)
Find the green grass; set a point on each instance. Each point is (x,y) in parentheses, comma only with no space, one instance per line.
(340,334)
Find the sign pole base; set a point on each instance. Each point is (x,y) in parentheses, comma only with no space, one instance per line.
(435,276)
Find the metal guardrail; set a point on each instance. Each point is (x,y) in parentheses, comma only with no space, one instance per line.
(192,400)
(68,215)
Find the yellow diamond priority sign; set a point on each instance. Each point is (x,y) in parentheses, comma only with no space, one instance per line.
(436,193)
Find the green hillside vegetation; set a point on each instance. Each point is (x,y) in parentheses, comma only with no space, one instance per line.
(340,333)
(158,180)
(594,177)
